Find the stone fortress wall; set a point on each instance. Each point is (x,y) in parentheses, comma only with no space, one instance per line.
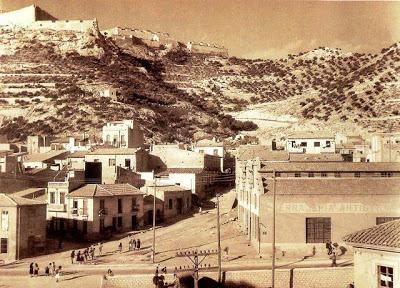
(156,39)
(33,17)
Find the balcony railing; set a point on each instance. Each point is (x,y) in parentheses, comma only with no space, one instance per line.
(79,212)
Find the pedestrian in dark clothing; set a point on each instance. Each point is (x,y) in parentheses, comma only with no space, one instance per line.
(333,257)
(31,269)
(120,247)
(134,243)
(328,247)
(72,256)
(138,244)
(47,270)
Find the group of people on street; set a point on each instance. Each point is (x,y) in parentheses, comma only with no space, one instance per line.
(332,251)
(49,270)
(33,269)
(134,244)
(85,255)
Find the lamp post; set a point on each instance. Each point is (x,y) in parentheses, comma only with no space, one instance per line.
(273,227)
(219,242)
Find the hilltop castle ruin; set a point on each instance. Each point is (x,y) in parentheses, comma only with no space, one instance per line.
(33,17)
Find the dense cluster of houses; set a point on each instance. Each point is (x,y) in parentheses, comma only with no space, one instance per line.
(317,187)
(90,187)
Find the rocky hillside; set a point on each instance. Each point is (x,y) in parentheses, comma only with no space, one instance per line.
(50,82)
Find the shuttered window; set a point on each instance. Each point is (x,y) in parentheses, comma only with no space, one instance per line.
(318,229)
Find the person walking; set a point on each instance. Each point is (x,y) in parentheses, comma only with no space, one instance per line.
(328,247)
(120,247)
(100,248)
(72,256)
(36,270)
(47,270)
(138,244)
(31,269)
(134,243)
(92,252)
(58,273)
(53,269)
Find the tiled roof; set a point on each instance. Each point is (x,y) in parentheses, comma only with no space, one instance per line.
(114,151)
(105,190)
(29,192)
(11,200)
(334,186)
(79,154)
(247,152)
(383,235)
(332,166)
(149,200)
(167,188)
(42,157)
(302,157)
(311,135)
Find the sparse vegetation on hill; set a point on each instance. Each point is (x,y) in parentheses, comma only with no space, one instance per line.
(174,93)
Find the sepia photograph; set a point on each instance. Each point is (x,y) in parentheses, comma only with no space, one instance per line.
(199,144)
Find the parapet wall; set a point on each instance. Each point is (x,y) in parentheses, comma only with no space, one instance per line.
(141,34)
(72,25)
(23,16)
(207,48)
(32,17)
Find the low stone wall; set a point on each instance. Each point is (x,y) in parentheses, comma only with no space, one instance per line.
(338,277)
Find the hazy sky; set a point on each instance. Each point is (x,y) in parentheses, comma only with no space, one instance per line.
(248,28)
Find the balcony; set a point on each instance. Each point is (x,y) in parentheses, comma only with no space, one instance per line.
(57,207)
(74,211)
(79,212)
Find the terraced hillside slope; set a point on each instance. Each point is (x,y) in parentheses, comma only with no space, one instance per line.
(50,82)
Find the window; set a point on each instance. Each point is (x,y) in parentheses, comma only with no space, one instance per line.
(337,174)
(52,197)
(170,204)
(119,205)
(357,174)
(381,220)
(303,144)
(119,221)
(317,144)
(297,174)
(201,151)
(278,174)
(216,152)
(3,245)
(324,175)
(385,276)
(123,140)
(318,229)
(108,139)
(310,174)
(328,144)
(292,144)
(102,204)
(4,220)
(111,162)
(62,198)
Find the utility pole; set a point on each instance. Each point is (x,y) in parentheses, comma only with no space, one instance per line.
(219,242)
(154,218)
(273,227)
(194,256)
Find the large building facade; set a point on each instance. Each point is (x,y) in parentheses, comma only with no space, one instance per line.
(123,134)
(318,201)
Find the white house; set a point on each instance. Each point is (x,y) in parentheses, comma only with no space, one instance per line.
(123,134)
(312,143)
